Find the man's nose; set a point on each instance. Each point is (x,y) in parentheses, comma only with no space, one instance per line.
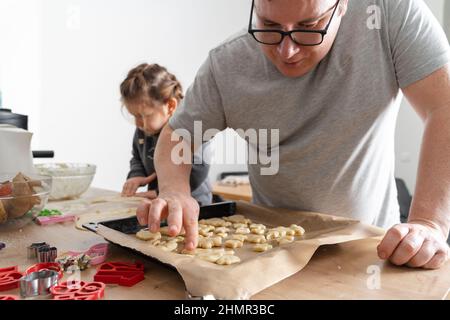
(288,48)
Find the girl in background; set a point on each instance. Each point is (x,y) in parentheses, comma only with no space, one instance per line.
(151,95)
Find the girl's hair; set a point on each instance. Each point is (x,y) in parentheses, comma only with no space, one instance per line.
(150,81)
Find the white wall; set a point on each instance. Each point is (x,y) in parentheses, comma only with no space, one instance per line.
(20,58)
(410,127)
(88,47)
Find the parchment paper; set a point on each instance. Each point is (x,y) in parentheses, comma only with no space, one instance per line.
(256,271)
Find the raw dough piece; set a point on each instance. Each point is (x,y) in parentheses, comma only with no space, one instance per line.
(146,235)
(272,235)
(228,259)
(205,233)
(222,230)
(198,251)
(259,231)
(239,225)
(205,227)
(168,246)
(205,243)
(253,238)
(210,257)
(240,237)
(237,219)
(242,231)
(262,247)
(299,231)
(216,222)
(257,226)
(233,244)
(285,240)
(223,235)
(217,241)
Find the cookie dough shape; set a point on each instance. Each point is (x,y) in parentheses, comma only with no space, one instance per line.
(299,231)
(285,240)
(233,244)
(168,246)
(210,257)
(205,243)
(242,230)
(146,235)
(262,247)
(237,218)
(228,259)
(240,237)
(215,222)
(254,238)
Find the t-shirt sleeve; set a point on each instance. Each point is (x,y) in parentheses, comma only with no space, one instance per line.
(418,42)
(202,103)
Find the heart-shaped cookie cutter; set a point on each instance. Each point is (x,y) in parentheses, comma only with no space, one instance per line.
(78,290)
(38,283)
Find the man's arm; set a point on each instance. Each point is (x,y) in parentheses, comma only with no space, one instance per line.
(174,202)
(422,241)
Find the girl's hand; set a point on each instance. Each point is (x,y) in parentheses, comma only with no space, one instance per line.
(130,187)
(148,195)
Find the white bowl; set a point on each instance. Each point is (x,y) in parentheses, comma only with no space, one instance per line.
(69,180)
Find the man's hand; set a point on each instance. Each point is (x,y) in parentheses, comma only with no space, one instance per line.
(180,210)
(415,244)
(131,185)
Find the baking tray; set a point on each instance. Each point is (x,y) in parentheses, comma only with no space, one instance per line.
(132,226)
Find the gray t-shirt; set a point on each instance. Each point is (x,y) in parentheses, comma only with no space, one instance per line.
(336,123)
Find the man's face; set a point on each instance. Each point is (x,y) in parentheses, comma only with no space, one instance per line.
(293,60)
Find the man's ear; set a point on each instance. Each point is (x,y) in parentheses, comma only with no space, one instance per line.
(343,6)
(172,105)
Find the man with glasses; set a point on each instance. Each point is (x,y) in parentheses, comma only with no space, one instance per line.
(329,75)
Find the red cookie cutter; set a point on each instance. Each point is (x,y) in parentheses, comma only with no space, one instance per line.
(53,266)
(124,274)
(78,290)
(9,298)
(9,278)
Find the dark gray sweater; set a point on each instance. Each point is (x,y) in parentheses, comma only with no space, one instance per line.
(142,165)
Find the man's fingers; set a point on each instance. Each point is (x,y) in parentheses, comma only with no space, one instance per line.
(174,218)
(437,261)
(425,254)
(142,212)
(391,240)
(155,214)
(408,248)
(190,223)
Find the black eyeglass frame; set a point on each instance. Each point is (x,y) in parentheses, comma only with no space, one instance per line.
(283,34)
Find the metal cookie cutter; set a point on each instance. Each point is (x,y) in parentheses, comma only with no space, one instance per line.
(32,251)
(47,254)
(38,284)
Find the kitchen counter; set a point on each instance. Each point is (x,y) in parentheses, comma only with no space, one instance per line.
(346,271)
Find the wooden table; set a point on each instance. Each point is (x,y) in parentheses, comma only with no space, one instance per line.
(344,271)
(241,192)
